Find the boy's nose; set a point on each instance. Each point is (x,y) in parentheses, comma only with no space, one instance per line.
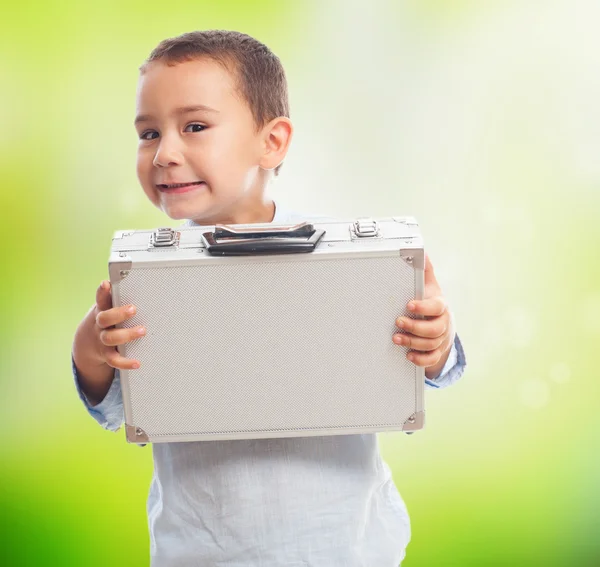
(166,156)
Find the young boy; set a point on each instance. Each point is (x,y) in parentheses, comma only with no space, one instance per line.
(213,126)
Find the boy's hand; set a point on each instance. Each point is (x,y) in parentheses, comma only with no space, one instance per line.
(431,338)
(94,347)
(106,317)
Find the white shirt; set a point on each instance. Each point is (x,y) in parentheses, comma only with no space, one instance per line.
(290,502)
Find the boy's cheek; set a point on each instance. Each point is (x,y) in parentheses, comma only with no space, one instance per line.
(150,192)
(231,176)
(139,169)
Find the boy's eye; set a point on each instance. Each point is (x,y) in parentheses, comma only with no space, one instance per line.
(153,134)
(144,135)
(195,127)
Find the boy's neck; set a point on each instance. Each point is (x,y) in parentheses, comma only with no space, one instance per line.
(247,213)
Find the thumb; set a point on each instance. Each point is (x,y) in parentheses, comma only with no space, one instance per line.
(429,274)
(103,296)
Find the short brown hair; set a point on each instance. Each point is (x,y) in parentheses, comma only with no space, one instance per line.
(259,72)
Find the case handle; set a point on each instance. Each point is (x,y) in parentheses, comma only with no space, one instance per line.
(256,240)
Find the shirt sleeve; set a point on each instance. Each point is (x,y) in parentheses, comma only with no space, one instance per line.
(109,412)
(452,370)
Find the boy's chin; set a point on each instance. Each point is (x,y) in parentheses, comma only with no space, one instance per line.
(178,213)
(183,211)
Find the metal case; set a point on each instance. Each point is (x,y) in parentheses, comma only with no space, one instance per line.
(258,331)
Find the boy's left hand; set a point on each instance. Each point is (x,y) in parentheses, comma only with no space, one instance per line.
(431,338)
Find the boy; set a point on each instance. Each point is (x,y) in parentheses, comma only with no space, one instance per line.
(214,127)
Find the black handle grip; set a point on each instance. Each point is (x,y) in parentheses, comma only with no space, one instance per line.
(260,240)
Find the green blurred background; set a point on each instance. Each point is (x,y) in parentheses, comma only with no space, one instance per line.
(481,119)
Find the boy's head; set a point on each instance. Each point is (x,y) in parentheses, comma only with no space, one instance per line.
(212,113)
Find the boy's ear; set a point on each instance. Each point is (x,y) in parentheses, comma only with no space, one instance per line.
(277,136)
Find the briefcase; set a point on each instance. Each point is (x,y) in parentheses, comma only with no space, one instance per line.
(264,330)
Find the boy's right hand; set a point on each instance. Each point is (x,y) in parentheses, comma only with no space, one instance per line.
(96,339)
(106,336)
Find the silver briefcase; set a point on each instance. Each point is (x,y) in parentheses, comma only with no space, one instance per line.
(264,330)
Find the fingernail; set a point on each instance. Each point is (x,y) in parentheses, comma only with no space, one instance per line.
(411,357)
(141,331)
(135,365)
(130,309)
(401,324)
(412,306)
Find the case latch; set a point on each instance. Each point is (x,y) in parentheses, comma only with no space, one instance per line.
(163,237)
(365,227)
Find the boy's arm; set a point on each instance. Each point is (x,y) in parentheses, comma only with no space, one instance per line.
(109,412)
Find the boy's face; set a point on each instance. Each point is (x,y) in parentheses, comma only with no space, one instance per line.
(195,129)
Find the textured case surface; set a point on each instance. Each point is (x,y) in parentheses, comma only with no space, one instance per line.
(269,346)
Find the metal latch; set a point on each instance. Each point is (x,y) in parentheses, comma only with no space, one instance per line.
(365,227)
(163,237)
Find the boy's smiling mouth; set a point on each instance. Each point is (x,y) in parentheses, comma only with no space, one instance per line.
(179,187)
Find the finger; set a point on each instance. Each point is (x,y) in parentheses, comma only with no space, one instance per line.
(106,319)
(103,296)
(115,360)
(424,358)
(418,343)
(427,328)
(115,337)
(430,307)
